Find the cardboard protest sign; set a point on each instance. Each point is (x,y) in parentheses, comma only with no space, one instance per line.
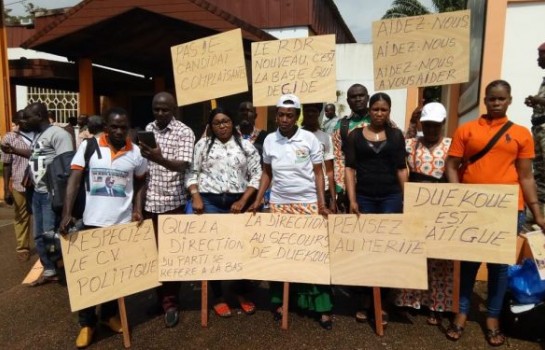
(536,241)
(210,67)
(200,247)
(107,263)
(288,248)
(464,222)
(421,50)
(376,250)
(303,66)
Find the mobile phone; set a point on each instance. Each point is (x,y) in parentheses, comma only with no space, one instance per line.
(148,138)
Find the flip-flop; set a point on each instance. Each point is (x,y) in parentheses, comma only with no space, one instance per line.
(495,334)
(433,319)
(247,307)
(44,280)
(222,310)
(454,332)
(361,316)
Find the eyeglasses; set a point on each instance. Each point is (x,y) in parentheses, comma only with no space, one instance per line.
(222,122)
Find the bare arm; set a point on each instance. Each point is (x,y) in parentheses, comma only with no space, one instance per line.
(8,196)
(264,184)
(139,197)
(25,153)
(402,177)
(320,185)
(528,185)
(453,164)
(350,181)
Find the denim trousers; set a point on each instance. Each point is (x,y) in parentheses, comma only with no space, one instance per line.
(45,220)
(390,203)
(497,282)
(221,204)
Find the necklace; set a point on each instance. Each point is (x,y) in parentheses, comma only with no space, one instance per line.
(377,134)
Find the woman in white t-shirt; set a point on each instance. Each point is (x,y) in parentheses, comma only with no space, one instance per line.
(292,160)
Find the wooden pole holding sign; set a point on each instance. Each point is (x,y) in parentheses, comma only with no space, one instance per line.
(204,304)
(285,305)
(124,322)
(377,301)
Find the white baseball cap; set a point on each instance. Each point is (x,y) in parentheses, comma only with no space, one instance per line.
(433,112)
(289,101)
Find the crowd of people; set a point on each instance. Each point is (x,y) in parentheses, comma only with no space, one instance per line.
(355,164)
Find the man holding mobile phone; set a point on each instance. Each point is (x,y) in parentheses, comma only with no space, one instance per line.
(165,194)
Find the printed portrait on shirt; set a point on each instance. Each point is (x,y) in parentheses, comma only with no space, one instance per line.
(302,155)
(108,182)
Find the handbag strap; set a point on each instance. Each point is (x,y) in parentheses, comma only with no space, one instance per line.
(490,143)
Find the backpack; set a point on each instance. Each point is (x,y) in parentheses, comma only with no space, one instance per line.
(58,172)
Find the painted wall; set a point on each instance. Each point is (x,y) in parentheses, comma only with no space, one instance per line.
(524,32)
(355,65)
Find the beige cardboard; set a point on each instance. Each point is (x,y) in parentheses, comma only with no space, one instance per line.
(421,50)
(376,250)
(289,248)
(201,247)
(303,66)
(210,67)
(536,241)
(464,222)
(107,263)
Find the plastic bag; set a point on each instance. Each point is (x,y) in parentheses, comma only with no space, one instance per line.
(525,283)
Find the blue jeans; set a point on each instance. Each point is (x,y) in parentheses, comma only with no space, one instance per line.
(45,220)
(391,203)
(221,204)
(497,282)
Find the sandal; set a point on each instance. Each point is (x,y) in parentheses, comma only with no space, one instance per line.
(326,322)
(277,314)
(454,332)
(433,319)
(247,307)
(361,316)
(495,337)
(222,310)
(44,280)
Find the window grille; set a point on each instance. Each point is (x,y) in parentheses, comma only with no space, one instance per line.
(63,103)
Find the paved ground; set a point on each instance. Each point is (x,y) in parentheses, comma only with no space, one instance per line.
(40,318)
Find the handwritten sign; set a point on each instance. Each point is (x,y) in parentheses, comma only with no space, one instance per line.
(304,67)
(376,250)
(465,222)
(536,241)
(289,248)
(200,247)
(209,68)
(421,50)
(107,263)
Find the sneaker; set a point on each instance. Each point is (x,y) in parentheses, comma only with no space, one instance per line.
(114,323)
(172,316)
(85,337)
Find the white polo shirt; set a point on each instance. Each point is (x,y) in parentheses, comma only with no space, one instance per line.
(111,182)
(292,162)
